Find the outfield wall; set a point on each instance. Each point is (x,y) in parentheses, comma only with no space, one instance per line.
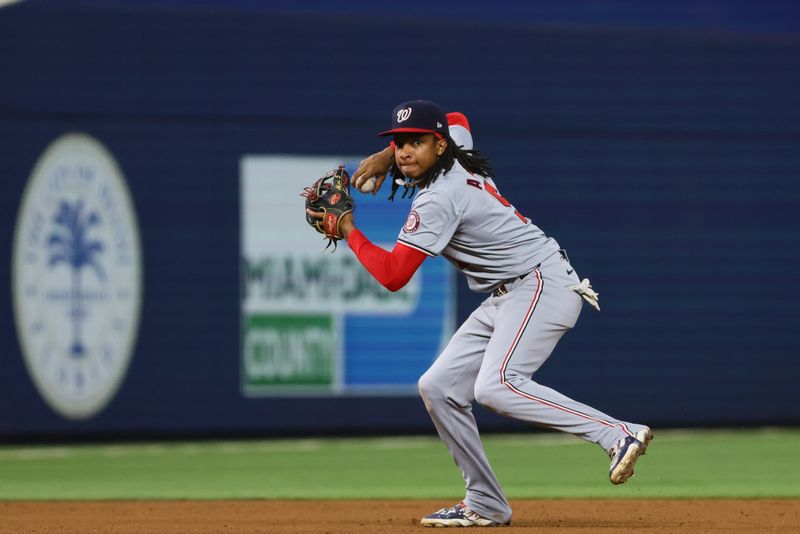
(661,152)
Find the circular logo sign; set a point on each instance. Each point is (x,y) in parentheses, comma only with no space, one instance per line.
(77,276)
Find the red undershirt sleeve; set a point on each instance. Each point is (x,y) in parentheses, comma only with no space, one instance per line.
(392,269)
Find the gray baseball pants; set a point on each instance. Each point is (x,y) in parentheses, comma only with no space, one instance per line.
(491,359)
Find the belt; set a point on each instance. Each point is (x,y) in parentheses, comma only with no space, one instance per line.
(502,289)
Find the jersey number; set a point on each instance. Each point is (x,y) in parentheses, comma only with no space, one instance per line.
(496,194)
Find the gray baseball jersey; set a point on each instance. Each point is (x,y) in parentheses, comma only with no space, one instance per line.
(492,357)
(480,233)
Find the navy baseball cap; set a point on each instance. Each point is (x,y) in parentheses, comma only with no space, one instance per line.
(420,116)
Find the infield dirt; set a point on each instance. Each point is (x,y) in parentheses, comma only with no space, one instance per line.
(345,517)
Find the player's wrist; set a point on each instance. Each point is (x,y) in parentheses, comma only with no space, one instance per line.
(346,225)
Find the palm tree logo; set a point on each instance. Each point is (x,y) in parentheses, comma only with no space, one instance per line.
(70,243)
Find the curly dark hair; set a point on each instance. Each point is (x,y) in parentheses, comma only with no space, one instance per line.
(472,160)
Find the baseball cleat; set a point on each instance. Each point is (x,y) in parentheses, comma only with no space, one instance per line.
(458,516)
(624,454)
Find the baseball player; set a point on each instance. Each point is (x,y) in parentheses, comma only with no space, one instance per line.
(533,297)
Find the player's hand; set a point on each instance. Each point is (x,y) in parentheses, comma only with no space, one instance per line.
(376,165)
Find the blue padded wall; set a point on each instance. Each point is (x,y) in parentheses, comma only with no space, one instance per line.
(663,157)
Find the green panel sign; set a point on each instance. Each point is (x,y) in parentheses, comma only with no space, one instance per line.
(291,351)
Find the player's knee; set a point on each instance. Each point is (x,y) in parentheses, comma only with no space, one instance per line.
(430,389)
(489,394)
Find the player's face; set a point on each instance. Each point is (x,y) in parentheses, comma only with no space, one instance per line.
(416,153)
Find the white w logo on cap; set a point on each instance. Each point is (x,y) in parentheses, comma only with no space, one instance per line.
(403,114)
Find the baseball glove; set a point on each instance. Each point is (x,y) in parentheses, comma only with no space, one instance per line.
(331,195)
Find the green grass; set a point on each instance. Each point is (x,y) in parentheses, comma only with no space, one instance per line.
(757,463)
